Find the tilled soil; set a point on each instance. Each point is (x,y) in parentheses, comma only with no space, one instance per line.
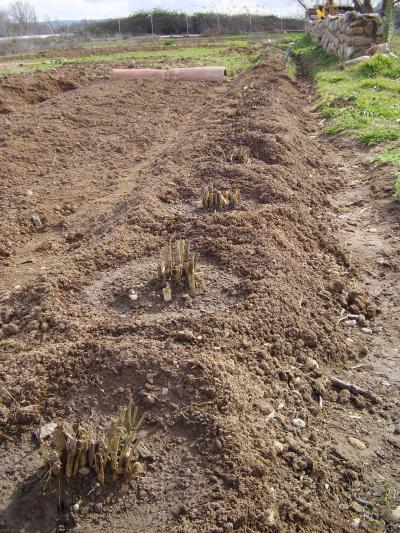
(114,171)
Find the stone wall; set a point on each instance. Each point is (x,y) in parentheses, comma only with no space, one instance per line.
(349,35)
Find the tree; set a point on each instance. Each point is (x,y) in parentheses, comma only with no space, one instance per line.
(388,10)
(365,6)
(23,15)
(3,23)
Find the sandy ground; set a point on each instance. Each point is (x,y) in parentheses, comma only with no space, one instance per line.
(116,170)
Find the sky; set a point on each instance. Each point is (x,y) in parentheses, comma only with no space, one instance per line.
(96,9)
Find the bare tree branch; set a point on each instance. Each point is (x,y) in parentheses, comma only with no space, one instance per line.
(302,4)
(23,14)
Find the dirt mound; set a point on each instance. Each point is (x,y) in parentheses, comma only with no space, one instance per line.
(17,90)
(232,380)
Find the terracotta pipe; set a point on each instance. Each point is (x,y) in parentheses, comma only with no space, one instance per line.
(211,74)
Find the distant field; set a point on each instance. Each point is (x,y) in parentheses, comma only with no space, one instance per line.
(55,52)
(236,52)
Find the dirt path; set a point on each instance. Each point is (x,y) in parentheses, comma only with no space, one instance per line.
(232,380)
(368,220)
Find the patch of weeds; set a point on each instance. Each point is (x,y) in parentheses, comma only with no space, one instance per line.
(378,65)
(169,42)
(291,69)
(389,155)
(381,84)
(380,135)
(391,493)
(312,58)
(239,43)
(254,58)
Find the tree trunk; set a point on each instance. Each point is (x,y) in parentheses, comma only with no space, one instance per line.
(389,18)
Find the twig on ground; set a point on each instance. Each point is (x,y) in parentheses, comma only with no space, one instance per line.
(355,389)
(12,397)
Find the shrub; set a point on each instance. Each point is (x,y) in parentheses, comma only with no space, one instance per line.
(379,65)
(169,42)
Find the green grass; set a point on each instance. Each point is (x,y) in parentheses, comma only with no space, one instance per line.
(396,42)
(362,101)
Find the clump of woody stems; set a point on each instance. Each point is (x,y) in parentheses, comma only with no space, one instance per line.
(76,452)
(177,268)
(215,199)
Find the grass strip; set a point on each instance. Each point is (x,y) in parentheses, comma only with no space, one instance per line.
(362,101)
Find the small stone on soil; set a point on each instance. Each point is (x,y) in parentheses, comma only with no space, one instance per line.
(298,422)
(37,222)
(396,515)
(368,331)
(356,507)
(357,443)
(133,296)
(311,364)
(46,430)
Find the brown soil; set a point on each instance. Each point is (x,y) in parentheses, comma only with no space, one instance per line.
(115,170)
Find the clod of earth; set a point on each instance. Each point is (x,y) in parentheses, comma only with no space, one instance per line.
(215,199)
(179,265)
(78,452)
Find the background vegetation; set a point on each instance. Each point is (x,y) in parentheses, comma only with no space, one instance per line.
(175,23)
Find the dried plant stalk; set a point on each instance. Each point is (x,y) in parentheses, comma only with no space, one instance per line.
(179,265)
(114,451)
(215,199)
(240,154)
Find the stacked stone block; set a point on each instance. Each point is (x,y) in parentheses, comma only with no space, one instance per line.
(349,35)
